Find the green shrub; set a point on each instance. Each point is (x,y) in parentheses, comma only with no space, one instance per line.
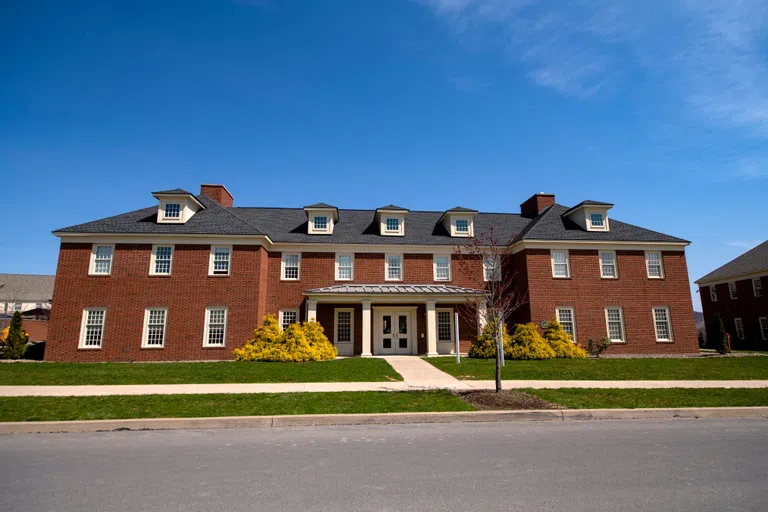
(299,342)
(721,337)
(527,343)
(561,342)
(485,345)
(15,341)
(595,347)
(702,340)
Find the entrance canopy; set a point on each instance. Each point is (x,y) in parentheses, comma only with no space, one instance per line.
(392,292)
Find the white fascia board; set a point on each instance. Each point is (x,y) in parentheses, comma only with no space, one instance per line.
(163,239)
(598,245)
(741,277)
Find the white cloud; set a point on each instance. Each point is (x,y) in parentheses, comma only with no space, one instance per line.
(745,244)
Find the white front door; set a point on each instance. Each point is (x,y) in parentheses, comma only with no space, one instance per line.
(393,333)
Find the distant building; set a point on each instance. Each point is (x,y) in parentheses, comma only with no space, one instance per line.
(738,293)
(25,292)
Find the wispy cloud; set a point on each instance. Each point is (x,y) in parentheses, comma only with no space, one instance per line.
(745,244)
(706,53)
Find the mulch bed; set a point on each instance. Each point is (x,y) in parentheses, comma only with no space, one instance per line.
(506,400)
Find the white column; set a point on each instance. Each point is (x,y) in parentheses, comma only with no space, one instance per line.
(431,329)
(311,310)
(366,329)
(482,316)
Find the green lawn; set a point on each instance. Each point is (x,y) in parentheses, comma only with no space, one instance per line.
(192,406)
(705,368)
(638,398)
(63,374)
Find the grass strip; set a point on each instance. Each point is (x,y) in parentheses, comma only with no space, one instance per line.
(210,405)
(574,398)
(72,374)
(705,368)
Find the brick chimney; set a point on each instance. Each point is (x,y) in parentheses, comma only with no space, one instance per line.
(218,193)
(536,203)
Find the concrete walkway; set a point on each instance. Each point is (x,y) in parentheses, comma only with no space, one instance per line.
(419,374)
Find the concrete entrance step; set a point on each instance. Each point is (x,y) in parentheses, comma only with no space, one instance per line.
(418,373)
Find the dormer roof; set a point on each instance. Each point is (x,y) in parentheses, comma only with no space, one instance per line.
(585,204)
(319,207)
(392,208)
(461,209)
(180,193)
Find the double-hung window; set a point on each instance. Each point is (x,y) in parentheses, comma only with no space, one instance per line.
(442,268)
(288,317)
(215,327)
(345,267)
(344,327)
(597,221)
(320,223)
(491,268)
(392,224)
(763,327)
(757,287)
(462,226)
(220,261)
(393,270)
(567,318)
(92,329)
(608,265)
(162,259)
(713,293)
(732,291)
(662,323)
(154,327)
(290,266)
(739,328)
(561,266)
(101,259)
(614,322)
(444,325)
(653,265)
(172,211)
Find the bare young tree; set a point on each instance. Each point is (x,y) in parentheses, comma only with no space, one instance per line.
(501,294)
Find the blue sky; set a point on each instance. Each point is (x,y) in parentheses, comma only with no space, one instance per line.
(659,107)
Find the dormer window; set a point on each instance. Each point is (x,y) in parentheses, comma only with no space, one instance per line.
(172,211)
(393,225)
(321,218)
(391,220)
(459,221)
(597,220)
(462,226)
(321,223)
(590,215)
(176,206)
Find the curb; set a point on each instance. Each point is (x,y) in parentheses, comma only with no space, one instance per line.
(324,420)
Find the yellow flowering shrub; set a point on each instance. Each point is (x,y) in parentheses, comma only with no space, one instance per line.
(4,336)
(561,342)
(485,345)
(527,343)
(299,342)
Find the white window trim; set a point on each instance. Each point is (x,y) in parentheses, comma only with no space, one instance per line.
(92,265)
(567,263)
(81,344)
(208,323)
(145,329)
(591,227)
(497,274)
(669,324)
(733,293)
(400,224)
(386,267)
(623,328)
(434,267)
(754,288)
(153,258)
(336,326)
(648,267)
(712,293)
(282,267)
(336,266)
(282,312)
(172,220)
(470,227)
(573,318)
(736,321)
(210,260)
(615,264)
(315,230)
(763,332)
(451,322)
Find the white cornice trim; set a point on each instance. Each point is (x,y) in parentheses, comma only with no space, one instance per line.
(740,277)
(598,245)
(177,239)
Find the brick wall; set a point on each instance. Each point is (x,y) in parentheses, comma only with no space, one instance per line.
(588,294)
(747,307)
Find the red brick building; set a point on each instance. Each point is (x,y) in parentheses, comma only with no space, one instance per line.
(737,293)
(190,277)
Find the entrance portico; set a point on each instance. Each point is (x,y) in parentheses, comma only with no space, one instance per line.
(394,319)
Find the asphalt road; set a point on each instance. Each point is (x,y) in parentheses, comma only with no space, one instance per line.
(593,465)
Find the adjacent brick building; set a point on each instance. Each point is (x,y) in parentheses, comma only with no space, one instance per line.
(191,277)
(738,293)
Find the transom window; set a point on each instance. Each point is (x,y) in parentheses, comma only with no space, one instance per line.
(172,211)
(162,259)
(608,264)
(394,268)
(93,328)
(321,223)
(614,320)
(344,327)
(344,267)
(288,317)
(154,328)
(739,328)
(757,287)
(662,324)
(565,317)
(444,325)
(392,224)
(733,291)
(291,264)
(462,226)
(215,327)
(220,260)
(491,268)
(597,220)
(763,327)
(442,268)
(653,265)
(713,293)
(102,259)
(561,266)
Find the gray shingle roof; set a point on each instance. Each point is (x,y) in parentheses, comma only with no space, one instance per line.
(460,209)
(392,207)
(412,289)
(588,202)
(753,261)
(320,205)
(172,191)
(26,287)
